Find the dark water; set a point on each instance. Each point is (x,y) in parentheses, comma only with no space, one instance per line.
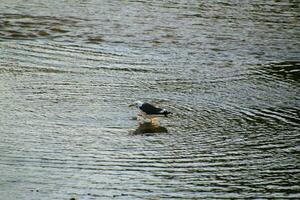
(228,70)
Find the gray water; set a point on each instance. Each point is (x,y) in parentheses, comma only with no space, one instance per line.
(228,70)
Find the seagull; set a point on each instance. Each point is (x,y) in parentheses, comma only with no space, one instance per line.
(149,111)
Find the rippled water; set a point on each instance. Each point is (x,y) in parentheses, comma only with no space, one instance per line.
(229,71)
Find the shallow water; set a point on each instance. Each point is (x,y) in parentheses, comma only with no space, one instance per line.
(229,71)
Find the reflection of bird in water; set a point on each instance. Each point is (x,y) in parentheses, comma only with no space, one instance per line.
(148,111)
(149,127)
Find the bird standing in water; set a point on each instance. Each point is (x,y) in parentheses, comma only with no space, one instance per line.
(149,111)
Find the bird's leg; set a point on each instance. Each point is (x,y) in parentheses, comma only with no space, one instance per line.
(153,120)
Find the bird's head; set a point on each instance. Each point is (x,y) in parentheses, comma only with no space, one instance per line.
(136,104)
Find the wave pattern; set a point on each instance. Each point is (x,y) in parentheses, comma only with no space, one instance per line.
(228,71)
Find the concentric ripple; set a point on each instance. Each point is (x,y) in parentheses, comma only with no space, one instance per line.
(228,71)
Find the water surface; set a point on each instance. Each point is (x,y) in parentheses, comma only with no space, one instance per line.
(229,71)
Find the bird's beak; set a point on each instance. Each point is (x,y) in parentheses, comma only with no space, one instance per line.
(131,105)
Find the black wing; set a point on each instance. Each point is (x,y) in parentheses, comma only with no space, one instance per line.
(150,109)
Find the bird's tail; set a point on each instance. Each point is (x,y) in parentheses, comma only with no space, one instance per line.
(166,113)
